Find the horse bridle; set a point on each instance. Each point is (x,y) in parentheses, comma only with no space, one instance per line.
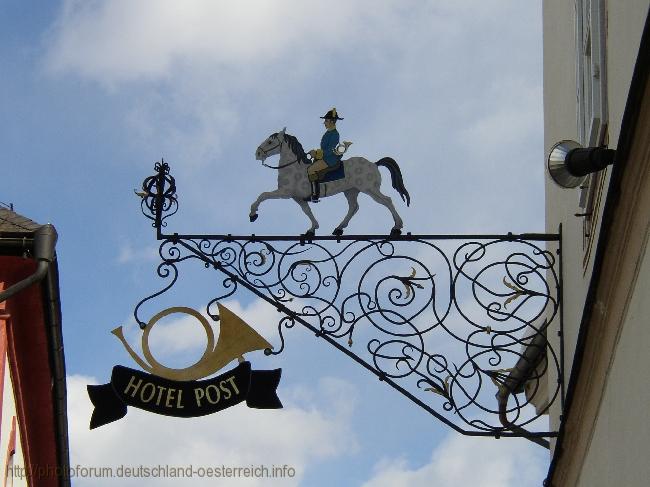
(266,154)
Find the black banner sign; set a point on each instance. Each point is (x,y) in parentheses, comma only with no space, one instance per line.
(129,387)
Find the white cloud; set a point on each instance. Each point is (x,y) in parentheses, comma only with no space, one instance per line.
(176,335)
(195,63)
(460,461)
(129,254)
(301,435)
(511,115)
(205,74)
(193,119)
(120,40)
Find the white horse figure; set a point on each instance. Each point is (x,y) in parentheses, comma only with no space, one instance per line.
(361,175)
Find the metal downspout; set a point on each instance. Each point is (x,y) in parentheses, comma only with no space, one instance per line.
(44,242)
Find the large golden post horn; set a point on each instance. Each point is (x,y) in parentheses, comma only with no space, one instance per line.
(236,337)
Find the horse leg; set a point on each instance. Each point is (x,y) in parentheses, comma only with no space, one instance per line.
(304,206)
(384,200)
(277,194)
(353,207)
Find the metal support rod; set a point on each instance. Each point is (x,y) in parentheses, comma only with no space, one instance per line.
(581,162)
(561,331)
(539,237)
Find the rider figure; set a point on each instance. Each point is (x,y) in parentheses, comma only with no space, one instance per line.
(327,157)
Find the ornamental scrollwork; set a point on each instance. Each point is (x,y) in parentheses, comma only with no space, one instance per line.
(444,320)
(158,195)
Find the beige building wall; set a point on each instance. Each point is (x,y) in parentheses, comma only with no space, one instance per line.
(617,443)
(618,452)
(560,123)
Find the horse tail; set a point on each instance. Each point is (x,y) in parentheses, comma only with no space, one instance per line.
(396,177)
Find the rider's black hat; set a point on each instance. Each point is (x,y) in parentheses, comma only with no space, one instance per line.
(332,115)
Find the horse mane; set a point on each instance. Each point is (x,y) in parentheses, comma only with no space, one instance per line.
(296,147)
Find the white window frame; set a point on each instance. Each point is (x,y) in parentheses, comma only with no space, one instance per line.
(591,71)
(591,94)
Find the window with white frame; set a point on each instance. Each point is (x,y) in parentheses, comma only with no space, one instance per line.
(591,87)
(591,33)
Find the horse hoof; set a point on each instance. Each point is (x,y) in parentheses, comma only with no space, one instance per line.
(253,217)
(337,232)
(310,234)
(395,232)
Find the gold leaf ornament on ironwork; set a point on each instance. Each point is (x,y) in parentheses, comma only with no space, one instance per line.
(409,284)
(263,254)
(436,389)
(236,337)
(517,292)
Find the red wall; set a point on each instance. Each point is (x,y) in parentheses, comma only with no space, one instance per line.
(31,373)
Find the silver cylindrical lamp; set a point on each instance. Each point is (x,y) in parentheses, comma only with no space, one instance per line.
(569,163)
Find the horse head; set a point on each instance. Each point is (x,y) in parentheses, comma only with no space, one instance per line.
(271,146)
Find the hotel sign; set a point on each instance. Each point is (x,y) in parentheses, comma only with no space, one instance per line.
(178,392)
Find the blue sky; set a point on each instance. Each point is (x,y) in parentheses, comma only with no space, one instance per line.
(93,93)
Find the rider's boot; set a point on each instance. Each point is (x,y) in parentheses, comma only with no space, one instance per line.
(315,192)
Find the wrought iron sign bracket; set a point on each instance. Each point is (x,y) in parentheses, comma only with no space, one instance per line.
(464,326)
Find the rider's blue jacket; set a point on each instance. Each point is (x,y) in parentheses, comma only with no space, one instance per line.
(328,143)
